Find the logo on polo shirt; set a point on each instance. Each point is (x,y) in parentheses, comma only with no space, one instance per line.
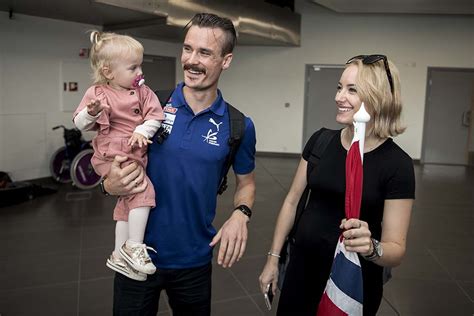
(211,137)
(170,116)
(169,109)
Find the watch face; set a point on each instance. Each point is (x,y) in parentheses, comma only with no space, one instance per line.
(378,249)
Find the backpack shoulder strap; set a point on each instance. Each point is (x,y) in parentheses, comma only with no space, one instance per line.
(317,152)
(319,148)
(164,96)
(237,129)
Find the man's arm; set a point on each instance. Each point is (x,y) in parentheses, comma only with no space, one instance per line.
(233,234)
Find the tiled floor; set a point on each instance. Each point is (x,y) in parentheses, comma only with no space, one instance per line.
(52,258)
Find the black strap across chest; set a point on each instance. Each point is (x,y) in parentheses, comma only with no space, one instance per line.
(316,153)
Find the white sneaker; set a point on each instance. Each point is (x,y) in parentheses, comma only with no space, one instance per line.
(137,257)
(119,265)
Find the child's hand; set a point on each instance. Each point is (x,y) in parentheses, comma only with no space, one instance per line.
(94,107)
(139,139)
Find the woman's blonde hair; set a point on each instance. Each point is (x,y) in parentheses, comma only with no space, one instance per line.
(106,48)
(373,88)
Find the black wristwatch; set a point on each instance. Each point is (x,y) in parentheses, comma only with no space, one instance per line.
(377,250)
(102,188)
(245,209)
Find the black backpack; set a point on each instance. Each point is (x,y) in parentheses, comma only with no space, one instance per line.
(237,129)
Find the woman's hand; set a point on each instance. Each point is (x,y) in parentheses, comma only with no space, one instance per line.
(269,275)
(357,236)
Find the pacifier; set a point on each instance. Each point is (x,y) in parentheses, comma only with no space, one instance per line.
(139,81)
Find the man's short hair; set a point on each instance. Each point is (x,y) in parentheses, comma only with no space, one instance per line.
(214,21)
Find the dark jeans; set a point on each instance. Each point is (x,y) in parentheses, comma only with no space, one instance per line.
(188,290)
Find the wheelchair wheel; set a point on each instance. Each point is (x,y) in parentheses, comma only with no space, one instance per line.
(59,166)
(82,172)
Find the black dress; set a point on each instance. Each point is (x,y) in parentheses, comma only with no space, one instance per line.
(388,174)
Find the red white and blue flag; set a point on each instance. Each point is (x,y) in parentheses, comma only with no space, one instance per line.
(343,294)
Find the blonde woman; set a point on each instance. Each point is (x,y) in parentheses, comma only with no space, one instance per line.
(126,114)
(379,236)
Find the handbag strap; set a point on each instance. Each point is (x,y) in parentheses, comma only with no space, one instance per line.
(317,152)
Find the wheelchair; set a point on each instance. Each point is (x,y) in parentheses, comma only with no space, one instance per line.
(72,162)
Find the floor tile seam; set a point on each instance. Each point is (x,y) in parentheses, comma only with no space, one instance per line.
(22,233)
(28,254)
(465,293)
(274,178)
(450,275)
(108,247)
(44,286)
(391,305)
(435,258)
(52,285)
(245,291)
(96,279)
(258,294)
(457,250)
(226,300)
(253,294)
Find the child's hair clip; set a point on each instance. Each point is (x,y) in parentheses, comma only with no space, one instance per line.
(94,38)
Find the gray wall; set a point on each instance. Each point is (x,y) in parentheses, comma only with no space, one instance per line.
(259,82)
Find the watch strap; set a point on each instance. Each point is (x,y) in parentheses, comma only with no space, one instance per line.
(375,250)
(245,209)
(102,188)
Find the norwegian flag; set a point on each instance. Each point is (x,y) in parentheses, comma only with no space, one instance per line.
(343,294)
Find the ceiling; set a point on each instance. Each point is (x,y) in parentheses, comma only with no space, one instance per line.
(443,7)
(257,22)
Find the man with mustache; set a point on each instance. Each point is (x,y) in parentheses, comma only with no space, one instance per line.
(185,171)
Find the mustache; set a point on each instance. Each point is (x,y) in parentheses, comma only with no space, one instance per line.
(194,68)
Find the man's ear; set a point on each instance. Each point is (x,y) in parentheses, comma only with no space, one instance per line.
(107,72)
(227,61)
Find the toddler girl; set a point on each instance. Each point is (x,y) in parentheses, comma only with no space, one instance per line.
(126,114)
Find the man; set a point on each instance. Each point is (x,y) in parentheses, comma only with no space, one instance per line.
(185,171)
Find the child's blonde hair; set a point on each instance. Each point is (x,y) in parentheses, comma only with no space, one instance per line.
(107,47)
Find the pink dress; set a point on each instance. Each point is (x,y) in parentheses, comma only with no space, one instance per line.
(115,126)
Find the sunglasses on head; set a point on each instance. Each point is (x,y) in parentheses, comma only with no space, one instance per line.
(370,59)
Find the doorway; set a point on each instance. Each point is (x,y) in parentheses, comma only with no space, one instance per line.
(160,72)
(447,124)
(319,106)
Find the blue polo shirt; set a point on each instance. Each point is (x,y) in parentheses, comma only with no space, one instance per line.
(185,171)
